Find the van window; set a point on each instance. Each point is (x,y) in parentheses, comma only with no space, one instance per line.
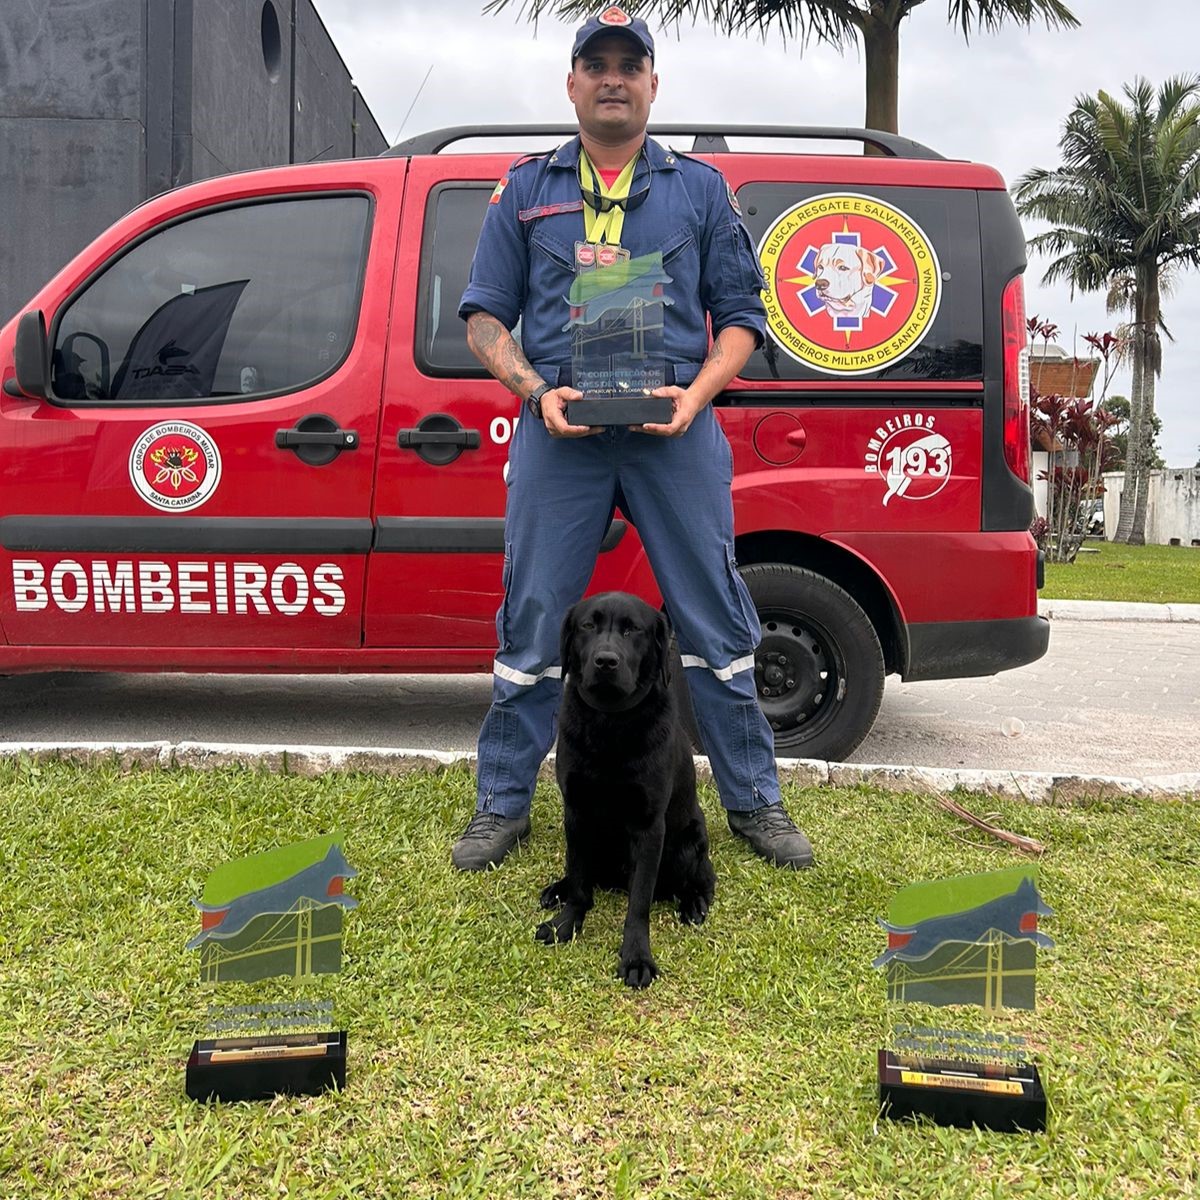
(848,277)
(453,218)
(255,299)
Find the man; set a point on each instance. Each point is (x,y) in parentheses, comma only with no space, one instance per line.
(613,185)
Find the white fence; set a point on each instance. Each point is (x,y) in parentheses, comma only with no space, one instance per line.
(1172,507)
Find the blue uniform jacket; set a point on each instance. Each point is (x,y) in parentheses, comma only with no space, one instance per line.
(523,268)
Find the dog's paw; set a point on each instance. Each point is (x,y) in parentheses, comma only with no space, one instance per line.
(562,928)
(553,894)
(693,909)
(638,969)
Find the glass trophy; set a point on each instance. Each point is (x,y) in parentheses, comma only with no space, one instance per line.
(969,942)
(270,925)
(618,305)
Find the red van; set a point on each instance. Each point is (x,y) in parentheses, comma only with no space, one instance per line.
(242,430)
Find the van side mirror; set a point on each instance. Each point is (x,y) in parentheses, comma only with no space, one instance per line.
(32,355)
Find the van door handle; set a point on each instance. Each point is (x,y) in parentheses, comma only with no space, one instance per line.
(317,439)
(438,439)
(467,439)
(289,439)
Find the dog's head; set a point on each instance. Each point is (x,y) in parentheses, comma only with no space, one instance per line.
(842,271)
(615,649)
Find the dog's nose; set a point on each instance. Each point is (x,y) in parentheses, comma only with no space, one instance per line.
(822,284)
(606,660)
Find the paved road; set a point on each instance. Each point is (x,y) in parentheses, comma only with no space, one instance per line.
(1111,698)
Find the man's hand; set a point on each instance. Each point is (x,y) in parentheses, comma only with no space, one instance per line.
(726,357)
(685,406)
(554,414)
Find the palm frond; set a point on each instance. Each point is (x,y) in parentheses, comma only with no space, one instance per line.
(835,22)
(987,16)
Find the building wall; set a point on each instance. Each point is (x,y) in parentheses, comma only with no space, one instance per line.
(1172,505)
(240,115)
(104,103)
(71,131)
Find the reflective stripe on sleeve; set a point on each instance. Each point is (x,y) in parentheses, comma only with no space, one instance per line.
(725,673)
(523,678)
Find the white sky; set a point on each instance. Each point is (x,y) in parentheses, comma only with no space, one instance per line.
(1001,101)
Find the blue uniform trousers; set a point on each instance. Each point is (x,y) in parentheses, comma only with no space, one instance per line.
(676,491)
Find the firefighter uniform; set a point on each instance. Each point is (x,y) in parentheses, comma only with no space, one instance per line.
(676,491)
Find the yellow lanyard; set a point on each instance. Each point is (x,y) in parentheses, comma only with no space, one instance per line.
(605,226)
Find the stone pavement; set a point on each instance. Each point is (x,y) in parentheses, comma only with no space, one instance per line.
(1115,698)
(1109,697)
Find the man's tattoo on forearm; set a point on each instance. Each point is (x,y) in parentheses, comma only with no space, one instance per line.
(495,347)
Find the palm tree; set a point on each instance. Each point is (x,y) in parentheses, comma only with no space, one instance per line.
(1125,205)
(836,22)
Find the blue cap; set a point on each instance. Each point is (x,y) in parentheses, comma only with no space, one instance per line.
(613,20)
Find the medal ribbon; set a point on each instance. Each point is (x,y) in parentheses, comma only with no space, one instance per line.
(606,226)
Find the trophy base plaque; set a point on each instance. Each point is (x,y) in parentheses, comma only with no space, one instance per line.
(621,410)
(257,1068)
(1005,1098)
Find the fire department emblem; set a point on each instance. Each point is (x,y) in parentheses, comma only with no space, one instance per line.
(175,466)
(853,284)
(914,460)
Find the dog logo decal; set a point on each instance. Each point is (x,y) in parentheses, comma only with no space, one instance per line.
(853,284)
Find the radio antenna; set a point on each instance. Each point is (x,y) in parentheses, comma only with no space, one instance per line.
(413,104)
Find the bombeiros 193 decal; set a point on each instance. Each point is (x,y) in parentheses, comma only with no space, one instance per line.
(207,587)
(914,460)
(852,284)
(175,466)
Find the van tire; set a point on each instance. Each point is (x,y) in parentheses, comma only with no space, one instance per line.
(816,638)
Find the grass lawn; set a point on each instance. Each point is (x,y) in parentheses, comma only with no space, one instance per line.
(484,1065)
(1155,574)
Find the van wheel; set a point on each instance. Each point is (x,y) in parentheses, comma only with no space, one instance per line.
(819,669)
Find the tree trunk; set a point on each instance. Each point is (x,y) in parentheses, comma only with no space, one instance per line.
(1133,434)
(881,43)
(1150,371)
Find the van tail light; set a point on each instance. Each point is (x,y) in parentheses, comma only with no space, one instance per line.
(1016,380)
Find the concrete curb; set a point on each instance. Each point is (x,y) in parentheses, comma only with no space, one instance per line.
(1034,787)
(1116,610)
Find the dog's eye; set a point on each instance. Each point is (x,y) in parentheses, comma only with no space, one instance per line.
(627,633)
(587,625)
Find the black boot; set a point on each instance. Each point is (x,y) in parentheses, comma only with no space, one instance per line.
(487,839)
(772,835)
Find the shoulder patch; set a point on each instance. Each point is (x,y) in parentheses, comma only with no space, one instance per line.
(499,191)
(733,201)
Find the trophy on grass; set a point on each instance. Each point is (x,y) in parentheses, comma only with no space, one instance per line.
(271,916)
(969,940)
(616,326)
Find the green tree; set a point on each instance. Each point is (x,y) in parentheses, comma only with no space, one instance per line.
(1125,203)
(836,22)
(1118,435)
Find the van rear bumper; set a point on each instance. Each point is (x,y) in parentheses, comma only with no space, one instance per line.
(959,649)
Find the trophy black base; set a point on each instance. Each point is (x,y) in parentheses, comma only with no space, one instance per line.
(257,1068)
(1003,1099)
(621,410)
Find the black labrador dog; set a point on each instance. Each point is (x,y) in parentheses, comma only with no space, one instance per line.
(627,779)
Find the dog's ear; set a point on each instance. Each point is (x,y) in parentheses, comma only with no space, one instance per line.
(872,264)
(566,640)
(662,647)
